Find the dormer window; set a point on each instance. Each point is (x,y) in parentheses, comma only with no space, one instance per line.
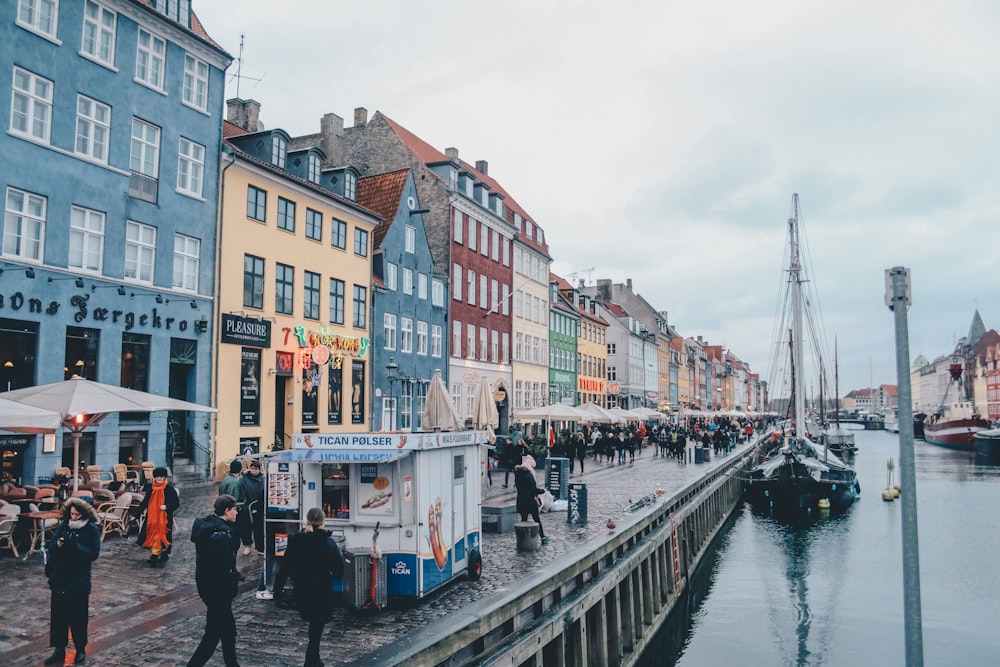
(528,229)
(350,185)
(279,149)
(452,179)
(517,221)
(468,187)
(178,10)
(314,168)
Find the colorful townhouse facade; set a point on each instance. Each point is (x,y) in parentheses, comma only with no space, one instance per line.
(591,345)
(110,187)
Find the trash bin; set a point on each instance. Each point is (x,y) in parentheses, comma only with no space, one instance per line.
(699,454)
(707,454)
(358,579)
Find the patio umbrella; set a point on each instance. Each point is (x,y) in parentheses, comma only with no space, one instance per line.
(82,403)
(485,416)
(627,415)
(20,418)
(439,413)
(601,415)
(646,413)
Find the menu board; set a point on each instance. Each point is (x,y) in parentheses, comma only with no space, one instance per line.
(375,490)
(283,491)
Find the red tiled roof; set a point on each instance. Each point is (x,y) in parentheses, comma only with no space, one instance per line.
(231,130)
(381,193)
(615,309)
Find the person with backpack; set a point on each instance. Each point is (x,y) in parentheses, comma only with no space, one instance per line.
(313,561)
(216,543)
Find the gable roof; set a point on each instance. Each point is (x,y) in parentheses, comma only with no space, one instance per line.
(196,27)
(382,193)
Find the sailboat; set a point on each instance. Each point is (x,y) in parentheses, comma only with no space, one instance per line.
(839,440)
(799,474)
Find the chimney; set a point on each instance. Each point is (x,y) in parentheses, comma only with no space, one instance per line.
(583,283)
(483,167)
(628,283)
(452,154)
(604,289)
(360,117)
(331,138)
(243,113)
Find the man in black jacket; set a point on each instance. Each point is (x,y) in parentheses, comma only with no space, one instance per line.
(217,541)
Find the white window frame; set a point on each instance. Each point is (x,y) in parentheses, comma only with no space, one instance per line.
(494,346)
(195,89)
(31,15)
(422,286)
(140,252)
(144,156)
(458,226)
(31,106)
(187,262)
(279,151)
(190,168)
(437,293)
(436,341)
(350,185)
(471,286)
(390,276)
(93,129)
(406,335)
(457,282)
(150,60)
(422,338)
(314,168)
(483,344)
(495,245)
(506,348)
(100,25)
(484,241)
(470,341)
(456,339)
(505,242)
(410,239)
(473,233)
(407,280)
(389,330)
(24,226)
(506,300)
(484,297)
(86,240)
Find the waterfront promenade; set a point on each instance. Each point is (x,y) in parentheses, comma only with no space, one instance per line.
(147,616)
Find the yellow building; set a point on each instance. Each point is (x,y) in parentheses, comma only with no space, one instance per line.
(293,293)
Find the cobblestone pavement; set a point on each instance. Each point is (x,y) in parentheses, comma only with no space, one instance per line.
(152,616)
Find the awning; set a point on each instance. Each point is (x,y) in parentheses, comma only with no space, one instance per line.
(339,455)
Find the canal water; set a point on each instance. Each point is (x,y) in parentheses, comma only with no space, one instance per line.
(831,593)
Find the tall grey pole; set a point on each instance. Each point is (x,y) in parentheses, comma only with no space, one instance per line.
(897,297)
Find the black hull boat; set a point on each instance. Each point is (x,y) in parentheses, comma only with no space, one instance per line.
(987,447)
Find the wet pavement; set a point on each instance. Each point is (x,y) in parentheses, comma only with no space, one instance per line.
(153,616)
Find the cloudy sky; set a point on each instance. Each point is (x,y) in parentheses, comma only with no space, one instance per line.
(662,141)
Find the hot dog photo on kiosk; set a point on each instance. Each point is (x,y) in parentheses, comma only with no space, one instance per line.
(405,508)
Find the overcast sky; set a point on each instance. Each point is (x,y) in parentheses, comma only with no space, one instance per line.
(662,141)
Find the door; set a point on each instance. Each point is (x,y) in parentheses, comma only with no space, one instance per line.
(458,528)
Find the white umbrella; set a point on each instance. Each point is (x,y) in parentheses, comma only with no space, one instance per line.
(625,414)
(646,413)
(83,403)
(439,413)
(555,411)
(485,416)
(21,418)
(601,415)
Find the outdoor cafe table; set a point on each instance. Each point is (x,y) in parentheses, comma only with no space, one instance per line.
(39,518)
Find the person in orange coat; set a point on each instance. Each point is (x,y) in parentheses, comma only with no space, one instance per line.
(159,503)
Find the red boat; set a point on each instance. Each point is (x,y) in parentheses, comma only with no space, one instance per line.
(954,425)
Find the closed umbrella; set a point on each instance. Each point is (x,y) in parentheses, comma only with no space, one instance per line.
(82,403)
(485,416)
(439,413)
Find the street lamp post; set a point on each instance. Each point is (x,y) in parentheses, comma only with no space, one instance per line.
(392,369)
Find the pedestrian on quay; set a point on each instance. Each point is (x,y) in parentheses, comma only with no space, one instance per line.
(251,517)
(230,484)
(216,543)
(314,562)
(621,445)
(514,454)
(579,449)
(76,543)
(159,502)
(527,493)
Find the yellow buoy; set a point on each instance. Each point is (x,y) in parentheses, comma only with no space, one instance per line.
(894,490)
(888,495)
(823,504)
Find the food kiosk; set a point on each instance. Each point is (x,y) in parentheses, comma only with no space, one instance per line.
(411,501)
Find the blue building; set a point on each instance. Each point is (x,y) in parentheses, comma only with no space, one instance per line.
(110,181)
(409,318)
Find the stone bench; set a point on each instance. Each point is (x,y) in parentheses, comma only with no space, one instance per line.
(499,517)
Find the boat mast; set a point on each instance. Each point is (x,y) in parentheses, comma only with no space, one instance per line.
(795,276)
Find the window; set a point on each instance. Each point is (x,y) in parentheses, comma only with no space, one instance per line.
(407,281)
(390,276)
(494,296)
(612,374)
(190,167)
(506,252)
(187,255)
(411,239)
(437,293)
(149,59)
(422,338)
(338,233)
(389,330)
(472,234)
(135,361)
(482,344)
(314,225)
(284,289)
(99,33)
(360,306)
(470,341)
(505,350)
(471,287)
(350,185)
(279,149)
(459,223)
(361,242)
(518,346)
(31,105)
(24,225)
(436,340)
(405,334)
(253,282)
(484,245)
(336,301)
(195,91)
(483,296)
(421,286)
(256,203)
(612,348)
(494,346)
(517,304)
(286,214)
(457,282)
(456,339)
(140,251)
(39,16)
(313,168)
(506,300)
(310,296)
(144,161)
(86,239)
(93,125)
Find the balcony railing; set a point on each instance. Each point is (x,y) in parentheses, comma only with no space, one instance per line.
(141,186)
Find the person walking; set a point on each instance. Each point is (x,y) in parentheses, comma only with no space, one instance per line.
(76,543)
(216,543)
(527,494)
(160,501)
(230,484)
(314,562)
(580,446)
(251,517)
(513,456)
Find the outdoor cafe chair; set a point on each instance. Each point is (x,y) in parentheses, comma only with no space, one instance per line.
(8,522)
(102,477)
(115,516)
(47,525)
(147,471)
(129,478)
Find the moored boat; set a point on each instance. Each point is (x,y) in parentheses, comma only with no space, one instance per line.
(987,446)
(955,424)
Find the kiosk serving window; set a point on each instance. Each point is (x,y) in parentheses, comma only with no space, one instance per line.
(336,490)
